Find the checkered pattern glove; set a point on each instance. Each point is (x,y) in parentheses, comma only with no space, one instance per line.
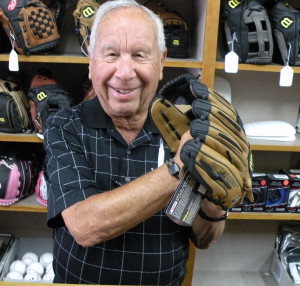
(30,26)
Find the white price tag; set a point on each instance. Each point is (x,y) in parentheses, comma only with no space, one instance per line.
(13,63)
(231,62)
(286,76)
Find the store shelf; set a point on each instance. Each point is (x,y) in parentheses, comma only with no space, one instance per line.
(263,216)
(256,145)
(20,137)
(257,68)
(28,204)
(268,145)
(80,59)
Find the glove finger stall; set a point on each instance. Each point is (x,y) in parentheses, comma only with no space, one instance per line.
(221,142)
(170,121)
(221,179)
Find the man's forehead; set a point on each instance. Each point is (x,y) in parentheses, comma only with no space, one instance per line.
(129,14)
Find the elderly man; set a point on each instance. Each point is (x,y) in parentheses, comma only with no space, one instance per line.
(106,191)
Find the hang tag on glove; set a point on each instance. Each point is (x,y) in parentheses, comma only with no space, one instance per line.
(185,202)
(13,63)
(286,76)
(231,62)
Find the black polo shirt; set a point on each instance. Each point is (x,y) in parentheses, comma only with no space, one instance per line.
(86,155)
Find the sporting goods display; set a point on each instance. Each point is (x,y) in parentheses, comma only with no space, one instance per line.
(30,25)
(84,15)
(17,179)
(14,108)
(248,31)
(285,22)
(219,155)
(46,97)
(177,32)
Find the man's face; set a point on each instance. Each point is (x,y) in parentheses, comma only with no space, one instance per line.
(127,65)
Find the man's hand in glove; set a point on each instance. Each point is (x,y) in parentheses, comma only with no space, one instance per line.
(218,155)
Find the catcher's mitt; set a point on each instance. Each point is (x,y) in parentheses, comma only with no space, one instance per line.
(46,97)
(176,30)
(219,156)
(286,28)
(31,24)
(17,179)
(14,108)
(249,20)
(84,15)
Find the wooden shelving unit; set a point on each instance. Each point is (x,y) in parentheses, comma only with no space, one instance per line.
(208,64)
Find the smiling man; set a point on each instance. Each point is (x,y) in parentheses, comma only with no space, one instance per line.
(106,190)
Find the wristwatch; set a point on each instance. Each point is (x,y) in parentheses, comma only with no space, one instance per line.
(173,168)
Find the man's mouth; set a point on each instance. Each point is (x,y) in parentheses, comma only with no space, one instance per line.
(125,91)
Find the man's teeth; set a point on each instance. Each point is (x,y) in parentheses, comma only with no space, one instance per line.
(124,91)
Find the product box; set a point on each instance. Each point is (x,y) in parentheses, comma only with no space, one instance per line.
(19,248)
(280,272)
(278,192)
(6,242)
(294,194)
(259,189)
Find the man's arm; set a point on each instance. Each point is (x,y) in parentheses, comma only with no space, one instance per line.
(104,216)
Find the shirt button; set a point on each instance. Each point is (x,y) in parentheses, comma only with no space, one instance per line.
(128,152)
(127,179)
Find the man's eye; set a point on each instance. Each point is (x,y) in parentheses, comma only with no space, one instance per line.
(140,56)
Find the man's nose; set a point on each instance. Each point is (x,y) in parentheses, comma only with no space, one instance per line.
(125,68)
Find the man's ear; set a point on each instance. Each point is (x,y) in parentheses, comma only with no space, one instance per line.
(89,55)
(162,61)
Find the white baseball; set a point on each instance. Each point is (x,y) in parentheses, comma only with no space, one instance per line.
(35,267)
(29,257)
(48,277)
(14,275)
(32,276)
(49,269)
(18,265)
(46,259)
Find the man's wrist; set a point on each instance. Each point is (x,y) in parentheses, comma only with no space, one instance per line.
(173,168)
(203,215)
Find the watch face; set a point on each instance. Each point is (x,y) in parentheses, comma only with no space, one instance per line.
(173,168)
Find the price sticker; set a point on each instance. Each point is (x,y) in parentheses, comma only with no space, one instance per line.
(231,62)
(13,62)
(286,76)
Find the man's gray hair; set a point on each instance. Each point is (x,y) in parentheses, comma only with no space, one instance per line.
(115,4)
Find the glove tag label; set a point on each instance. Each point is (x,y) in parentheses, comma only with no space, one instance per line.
(185,202)
(286,76)
(231,62)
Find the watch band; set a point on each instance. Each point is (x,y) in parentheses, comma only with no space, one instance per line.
(173,168)
(203,215)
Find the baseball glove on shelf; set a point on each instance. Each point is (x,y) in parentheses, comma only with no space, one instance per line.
(30,26)
(249,21)
(84,15)
(46,97)
(14,108)
(219,155)
(177,32)
(286,28)
(17,179)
